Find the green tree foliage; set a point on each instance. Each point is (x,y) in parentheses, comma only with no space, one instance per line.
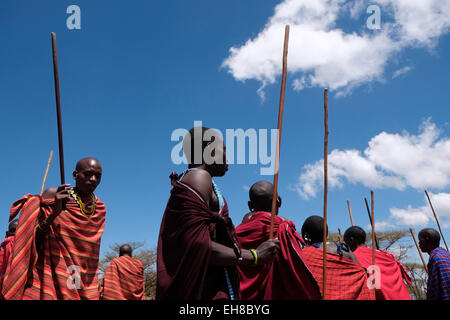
(146,256)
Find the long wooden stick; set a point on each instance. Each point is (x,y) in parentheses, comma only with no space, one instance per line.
(370,219)
(280,124)
(58,108)
(350,212)
(341,239)
(325,193)
(418,249)
(46,172)
(374,248)
(437,221)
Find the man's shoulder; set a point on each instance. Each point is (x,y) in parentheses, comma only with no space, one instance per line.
(440,255)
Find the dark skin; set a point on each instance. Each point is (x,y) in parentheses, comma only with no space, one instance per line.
(261,195)
(201,181)
(353,243)
(87,176)
(125,250)
(12,228)
(428,240)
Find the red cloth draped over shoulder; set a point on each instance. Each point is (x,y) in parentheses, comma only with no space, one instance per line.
(123,280)
(5,253)
(65,265)
(184,248)
(346,280)
(288,277)
(392,273)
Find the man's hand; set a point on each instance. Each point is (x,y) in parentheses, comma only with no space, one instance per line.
(61,197)
(267,251)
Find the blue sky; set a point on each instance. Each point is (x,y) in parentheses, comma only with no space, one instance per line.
(137,71)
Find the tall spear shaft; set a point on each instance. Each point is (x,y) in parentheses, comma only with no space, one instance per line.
(350,212)
(373,240)
(58,108)
(280,124)
(46,172)
(371,222)
(436,218)
(325,193)
(418,249)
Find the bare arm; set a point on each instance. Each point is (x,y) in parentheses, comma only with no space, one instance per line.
(225,256)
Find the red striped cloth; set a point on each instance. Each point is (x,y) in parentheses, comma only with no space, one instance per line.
(123,280)
(346,280)
(72,245)
(392,273)
(5,253)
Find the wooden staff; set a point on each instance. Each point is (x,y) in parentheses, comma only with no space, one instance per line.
(374,248)
(341,239)
(58,108)
(370,218)
(325,193)
(436,218)
(418,249)
(350,212)
(46,172)
(280,124)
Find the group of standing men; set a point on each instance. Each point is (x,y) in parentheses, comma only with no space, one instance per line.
(52,250)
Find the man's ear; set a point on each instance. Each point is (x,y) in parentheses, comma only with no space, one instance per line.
(250,206)
(75,174)
(279,202)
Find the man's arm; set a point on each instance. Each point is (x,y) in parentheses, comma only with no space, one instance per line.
(225,256)
(61,195)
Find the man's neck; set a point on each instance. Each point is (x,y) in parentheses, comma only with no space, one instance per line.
(203,167)
(81,194)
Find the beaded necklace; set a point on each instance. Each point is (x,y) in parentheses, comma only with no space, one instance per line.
(85,210)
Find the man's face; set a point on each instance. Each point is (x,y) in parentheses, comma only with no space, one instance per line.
(217,150)
(88,176)
(423,243)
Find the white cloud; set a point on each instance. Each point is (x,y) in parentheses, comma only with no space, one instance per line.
(401,71)
(422,216)
(322,54)
(390,161)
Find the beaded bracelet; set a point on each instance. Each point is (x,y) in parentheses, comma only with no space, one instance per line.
(255,255)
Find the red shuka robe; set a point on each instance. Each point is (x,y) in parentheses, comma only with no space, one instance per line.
(65,265)
(288,277)
(5,253)
(123,280)
(346,280)
(392,273)
(184,248)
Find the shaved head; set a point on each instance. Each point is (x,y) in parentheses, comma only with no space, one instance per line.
(12,228)
(86,162)
(261,196)
(355,237)
(429,239)
(87,175)
(125,250)
(312,229)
